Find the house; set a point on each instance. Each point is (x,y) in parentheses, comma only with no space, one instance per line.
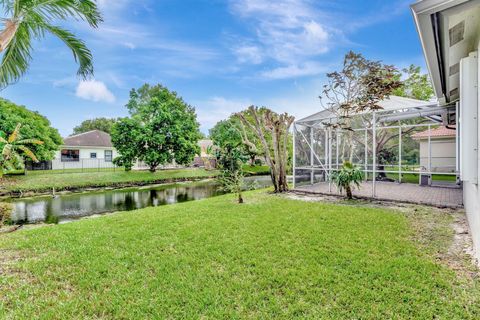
(205,158)
(438,145)
(92,149)
(449,33)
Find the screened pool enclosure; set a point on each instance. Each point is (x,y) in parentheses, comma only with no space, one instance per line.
(407,141)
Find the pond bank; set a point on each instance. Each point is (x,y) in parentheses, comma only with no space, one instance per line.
(96,188)
(43,183)
(64,207)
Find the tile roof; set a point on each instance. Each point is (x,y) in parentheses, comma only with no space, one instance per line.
(94,138)
(436,132)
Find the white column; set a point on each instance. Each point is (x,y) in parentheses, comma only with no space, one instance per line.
(366,154)
(374,153)
(400,154)
(429,163)
(325,151)
(294,162)
(329,159)
(312,172)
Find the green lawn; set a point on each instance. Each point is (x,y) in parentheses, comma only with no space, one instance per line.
(413,178)
(214,259)
(47,180)
(256,170)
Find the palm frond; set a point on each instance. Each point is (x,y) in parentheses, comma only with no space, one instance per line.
(30,141)
(16,58)
(28,153)
(80,51)
(51,10)
(7,151)
(8,165)
(15,134)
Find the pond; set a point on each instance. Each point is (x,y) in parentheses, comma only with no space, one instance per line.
(67,207)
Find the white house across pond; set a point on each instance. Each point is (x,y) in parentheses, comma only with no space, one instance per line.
(88,150)
(93,150)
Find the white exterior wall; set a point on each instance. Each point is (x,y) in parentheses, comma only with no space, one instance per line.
(85,161)
(443,154)
(471,197)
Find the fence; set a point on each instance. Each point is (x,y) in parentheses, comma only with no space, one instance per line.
(82,165)
(100,165)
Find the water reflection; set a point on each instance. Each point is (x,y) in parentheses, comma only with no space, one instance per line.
(74,206)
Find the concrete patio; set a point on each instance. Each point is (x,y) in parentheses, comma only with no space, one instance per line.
(403,192)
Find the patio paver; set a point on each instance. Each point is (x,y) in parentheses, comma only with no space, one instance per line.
(402,192)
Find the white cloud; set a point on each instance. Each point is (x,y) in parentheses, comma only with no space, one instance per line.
(291,71)
(95,91)
(129,45)
(288,32)
(218,108)
(249,54)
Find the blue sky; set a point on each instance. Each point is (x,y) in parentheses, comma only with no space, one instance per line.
(219,55)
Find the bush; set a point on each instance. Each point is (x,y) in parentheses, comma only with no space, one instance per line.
(5,213)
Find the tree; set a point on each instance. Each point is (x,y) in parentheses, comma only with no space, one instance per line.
(232,132)
(358,87)
(166,126)
(225,134)
(416,85)
(230,160)
(347,176)
(102,124)
(34,126)
(277,126)
(30,20)
(126,135)
(14,149)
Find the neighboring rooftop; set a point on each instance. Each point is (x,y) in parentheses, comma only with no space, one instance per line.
(94,138)
(435,133)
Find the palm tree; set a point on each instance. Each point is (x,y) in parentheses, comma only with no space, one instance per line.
(32,19)
(14,148)
(347,176)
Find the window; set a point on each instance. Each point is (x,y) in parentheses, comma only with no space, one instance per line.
(70,155)
(108,155)
(93,155)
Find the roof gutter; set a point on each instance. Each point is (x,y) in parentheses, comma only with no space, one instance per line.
(438,48)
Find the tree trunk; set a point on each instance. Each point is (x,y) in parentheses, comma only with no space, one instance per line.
(252,160)
(348,190)
(7,34)
(153,168)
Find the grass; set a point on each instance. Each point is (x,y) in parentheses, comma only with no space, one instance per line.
(414,178)
(213,259)
(39,182)
(256,170)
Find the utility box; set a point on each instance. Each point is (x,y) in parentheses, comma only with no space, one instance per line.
(469,118)
(425,179)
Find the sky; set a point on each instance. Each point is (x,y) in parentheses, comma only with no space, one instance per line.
(220,56)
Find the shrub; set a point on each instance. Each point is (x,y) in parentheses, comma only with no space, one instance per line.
(5,212)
